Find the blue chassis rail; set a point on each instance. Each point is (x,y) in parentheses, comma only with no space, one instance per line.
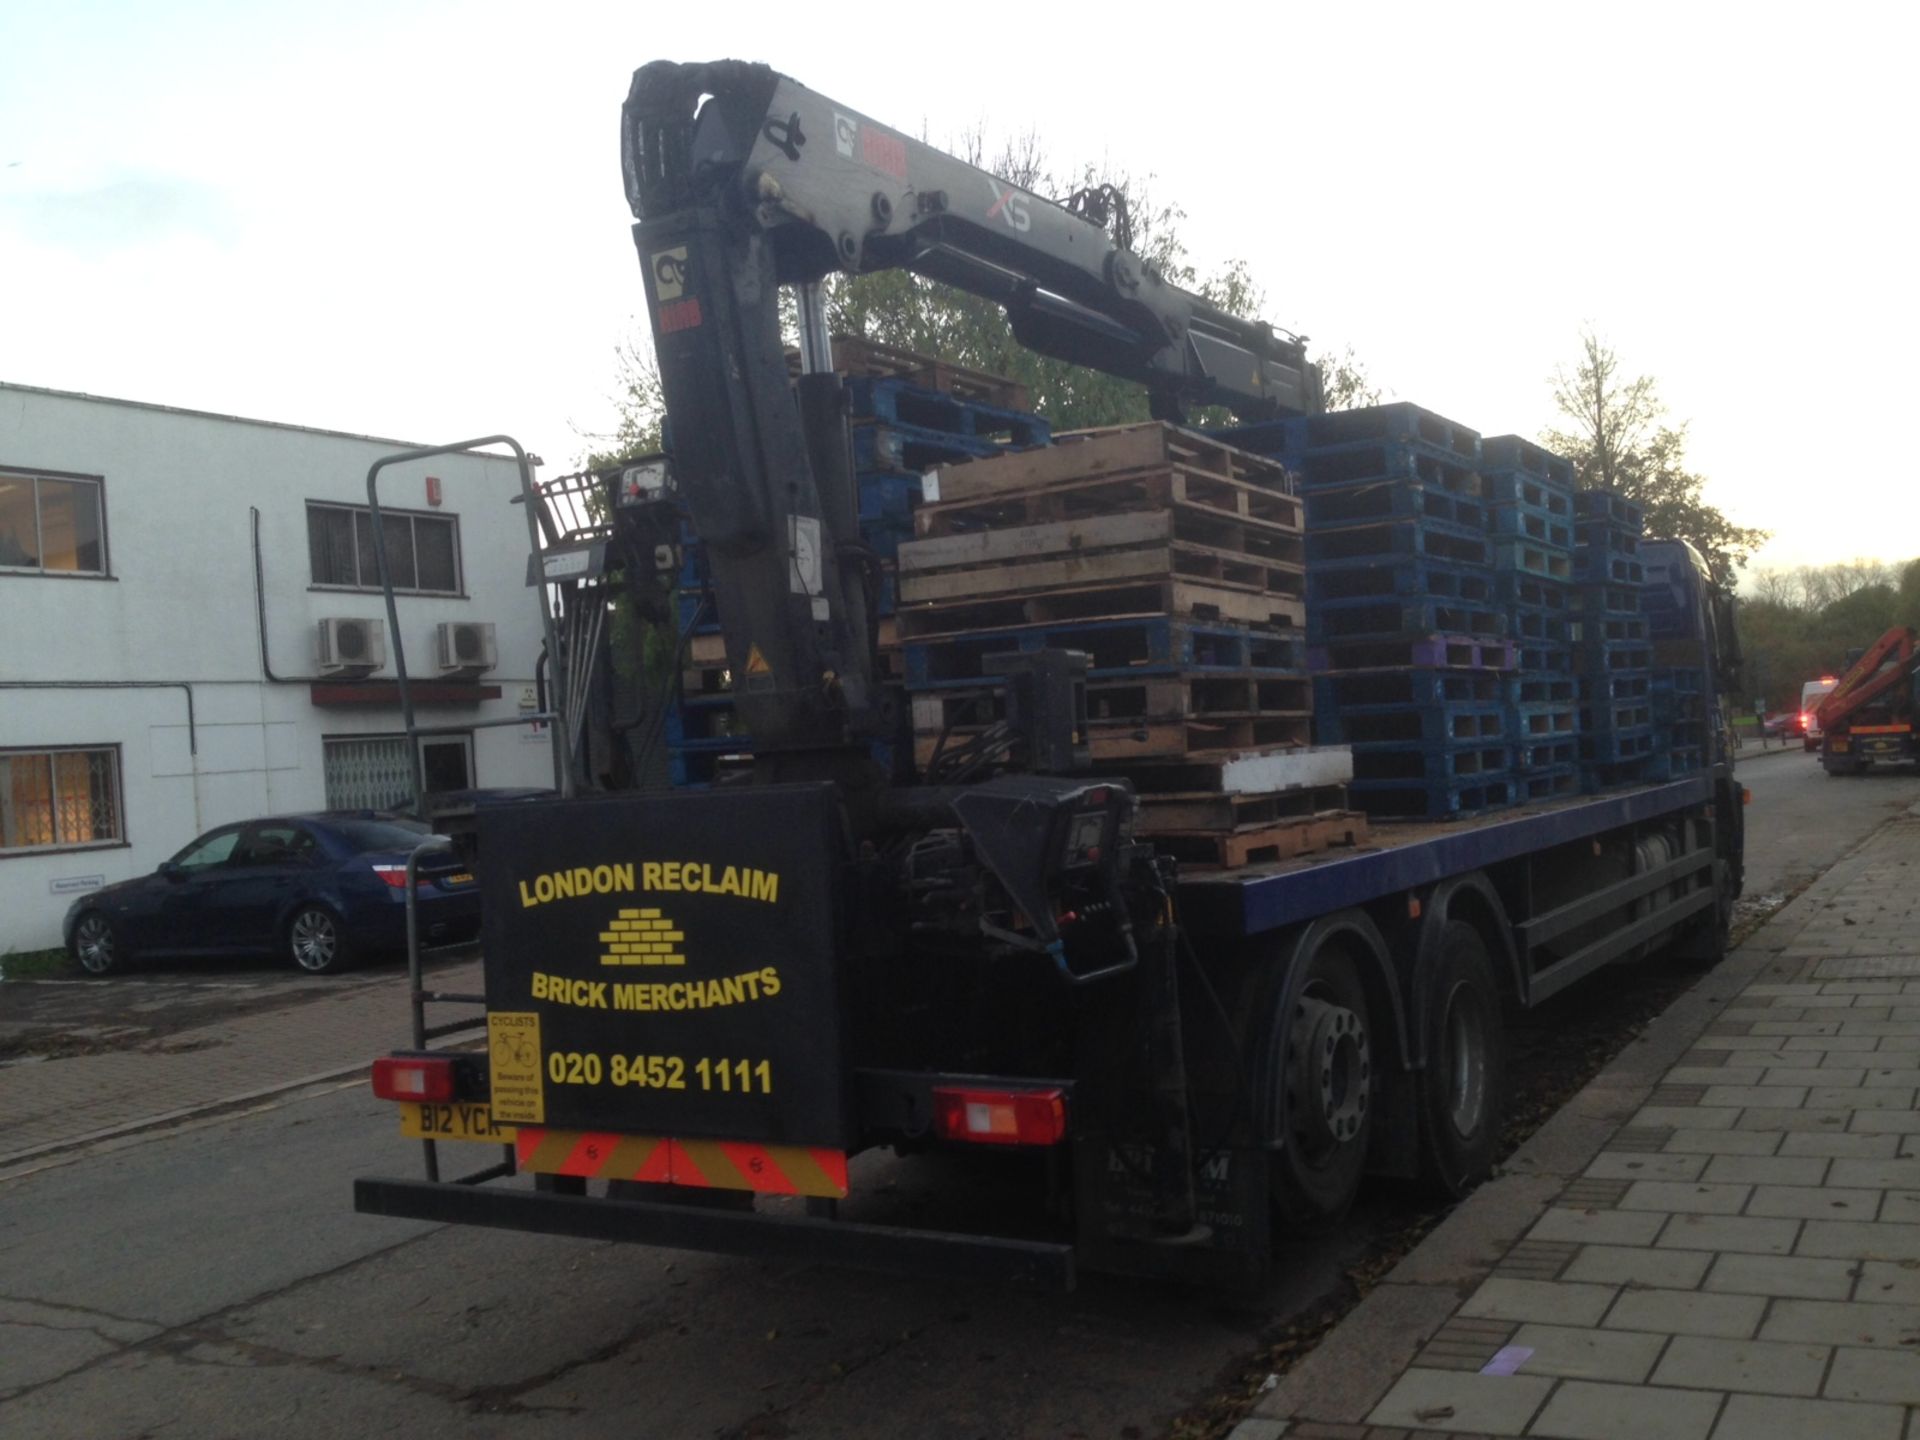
(1249,904)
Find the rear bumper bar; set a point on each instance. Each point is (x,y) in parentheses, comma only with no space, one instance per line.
(783,1237)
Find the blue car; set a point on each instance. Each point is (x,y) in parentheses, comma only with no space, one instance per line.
(318,889)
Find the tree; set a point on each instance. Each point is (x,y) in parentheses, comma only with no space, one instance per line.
(1617,441)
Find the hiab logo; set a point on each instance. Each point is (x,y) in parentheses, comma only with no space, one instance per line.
(1009,205)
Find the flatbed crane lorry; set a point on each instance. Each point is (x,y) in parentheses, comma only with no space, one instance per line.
(1867,718)
(835,959)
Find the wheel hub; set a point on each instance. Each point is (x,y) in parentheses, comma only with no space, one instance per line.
(1330,1071)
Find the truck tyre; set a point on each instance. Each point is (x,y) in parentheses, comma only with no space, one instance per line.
(1326,1091)
(1464,1081)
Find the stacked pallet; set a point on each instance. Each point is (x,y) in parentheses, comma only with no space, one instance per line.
(1175,564)
(1615,656)
(1682,711)
(910,412)
(1530,495)
(1410,640)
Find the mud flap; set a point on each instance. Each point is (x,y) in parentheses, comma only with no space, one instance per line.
(1114,1201)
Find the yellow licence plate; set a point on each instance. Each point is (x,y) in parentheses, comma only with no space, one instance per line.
(454,1120)
(463,877)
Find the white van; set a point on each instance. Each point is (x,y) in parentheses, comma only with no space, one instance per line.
(1811,694)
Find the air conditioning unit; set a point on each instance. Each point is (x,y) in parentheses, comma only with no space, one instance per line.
(349,646)
(464,647)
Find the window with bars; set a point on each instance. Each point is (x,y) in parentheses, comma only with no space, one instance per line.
(423,551)
(53,524)
(59,799)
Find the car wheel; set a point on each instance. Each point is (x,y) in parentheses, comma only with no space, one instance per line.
(316,941)
(96,944)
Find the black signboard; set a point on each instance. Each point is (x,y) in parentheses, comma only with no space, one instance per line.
(667,964)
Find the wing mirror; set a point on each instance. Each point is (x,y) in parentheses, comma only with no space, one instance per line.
(170,870)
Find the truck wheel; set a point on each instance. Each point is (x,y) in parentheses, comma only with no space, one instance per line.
(1462,1086)
(1326,1083)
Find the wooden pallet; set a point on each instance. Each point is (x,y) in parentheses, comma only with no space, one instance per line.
(1090,454)
(1057,570)
(1129,740)
(1192,811)
(857,355)
(1178,598)
(1156,487)
(1206,850)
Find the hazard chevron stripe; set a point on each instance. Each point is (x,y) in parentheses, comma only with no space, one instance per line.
(703,1164)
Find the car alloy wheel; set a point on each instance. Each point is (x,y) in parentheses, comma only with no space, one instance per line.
(93,945)
(315,939)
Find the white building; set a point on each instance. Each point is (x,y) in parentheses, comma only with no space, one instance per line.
(149,690)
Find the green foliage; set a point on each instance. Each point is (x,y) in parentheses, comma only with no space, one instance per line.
(639,408)
(34,964)
(1797,626)
(1616,441)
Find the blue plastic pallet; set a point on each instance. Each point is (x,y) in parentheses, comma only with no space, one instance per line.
(882,446)
(1337,505)
(1540,722)
(1393,540)
(898,402)
(1334,622)
(1534,687)
(1386,460)
(1536,783)
(1546,754)
(1606,505)
(1416,652)
(1146,645)
(1423,762)
(1391,799)
(1607,600)
(1369,688)
(1511,453)
(888,495)
(1672,762)
(1516,587)
(1372,579)
(1423,725)
(1607,631)
(1599,657)
(1625,685)
(1542,562)
(1399,422)
(1591,567)
(1537,627)
(1524,522)
(1612,747)
(1516,487)
(1545,659)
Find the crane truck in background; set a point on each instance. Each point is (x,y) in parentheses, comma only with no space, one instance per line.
(1867,718)
(844,959)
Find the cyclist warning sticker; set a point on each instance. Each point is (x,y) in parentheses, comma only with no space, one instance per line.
(513,1056)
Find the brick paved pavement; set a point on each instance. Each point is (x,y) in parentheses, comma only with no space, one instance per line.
(1739,1260)
(52,1104)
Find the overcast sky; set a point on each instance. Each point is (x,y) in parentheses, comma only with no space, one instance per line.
(405,217)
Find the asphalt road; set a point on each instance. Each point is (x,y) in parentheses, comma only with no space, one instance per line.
(214,1282)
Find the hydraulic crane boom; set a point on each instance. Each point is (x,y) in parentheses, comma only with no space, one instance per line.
(743,181)
(1887,662)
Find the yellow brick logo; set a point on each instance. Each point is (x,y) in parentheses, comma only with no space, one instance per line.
(641,937)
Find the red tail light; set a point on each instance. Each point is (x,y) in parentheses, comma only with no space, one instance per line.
(412,1077)
(1805,720)
(1000,1117)
(394,875)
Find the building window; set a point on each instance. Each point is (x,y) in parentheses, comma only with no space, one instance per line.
(371,772)
(54,524)
(423,551)
(59,799)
